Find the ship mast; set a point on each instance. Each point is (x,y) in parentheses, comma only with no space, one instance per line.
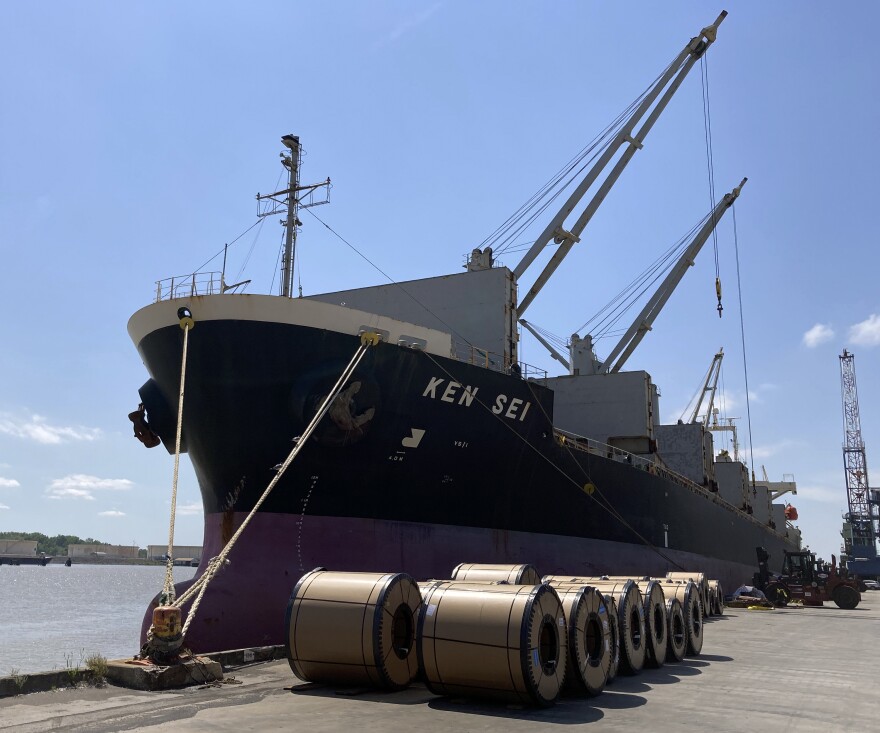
(290,206)
(292,163)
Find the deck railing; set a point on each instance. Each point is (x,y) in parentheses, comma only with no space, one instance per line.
(187,286)
(588,445)
(494,361)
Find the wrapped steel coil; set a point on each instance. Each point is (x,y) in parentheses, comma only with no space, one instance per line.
(656,627)
(630,616)
(688,593)
(614,628)
(513,574)
(589,639)
(654,604)
(676,636)
(500,641)
(718,596)
(702,583)
(354,628)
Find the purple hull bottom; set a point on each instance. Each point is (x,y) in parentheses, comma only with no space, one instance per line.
(245,604)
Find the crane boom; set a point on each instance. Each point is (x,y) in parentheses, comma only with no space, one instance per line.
(554,231)
(545,343)
(710,385)
(645,320)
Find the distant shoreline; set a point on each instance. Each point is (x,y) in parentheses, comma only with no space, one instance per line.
(62,560)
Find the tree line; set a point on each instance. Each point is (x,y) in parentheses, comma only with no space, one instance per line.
(54,546)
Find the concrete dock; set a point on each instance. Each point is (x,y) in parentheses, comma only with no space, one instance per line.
(796,669)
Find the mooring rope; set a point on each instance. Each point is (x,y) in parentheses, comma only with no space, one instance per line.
(186,323)
(199,587)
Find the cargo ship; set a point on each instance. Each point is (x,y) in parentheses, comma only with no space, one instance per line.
(441,446)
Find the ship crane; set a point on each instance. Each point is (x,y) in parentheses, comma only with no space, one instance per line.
(630,139)
(863,502)
(710,417)
(710,386)
(644,322)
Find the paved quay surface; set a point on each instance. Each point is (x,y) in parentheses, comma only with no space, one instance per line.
(798,669)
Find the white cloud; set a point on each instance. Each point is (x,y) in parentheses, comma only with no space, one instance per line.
(70,493)
(8,483)
(84,481)
(866,333)
(818,334)
(111,513)
(3,506)
(81,486)
(193,507)
(40,431)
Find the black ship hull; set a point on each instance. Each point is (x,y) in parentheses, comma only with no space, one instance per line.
(429,462)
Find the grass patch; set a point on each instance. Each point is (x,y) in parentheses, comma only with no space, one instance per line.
(97,665)
(72,669)
(20,680)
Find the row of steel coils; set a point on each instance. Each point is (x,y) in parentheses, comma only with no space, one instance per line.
(496,631)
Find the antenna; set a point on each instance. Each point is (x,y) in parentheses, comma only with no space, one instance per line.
(296,197)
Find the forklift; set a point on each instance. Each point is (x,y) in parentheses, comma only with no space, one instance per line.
(806,580)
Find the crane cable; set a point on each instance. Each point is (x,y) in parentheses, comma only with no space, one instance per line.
(710,168)
(742,331)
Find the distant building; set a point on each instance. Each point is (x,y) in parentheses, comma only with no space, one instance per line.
(109,552)
(190,552)
(18,547)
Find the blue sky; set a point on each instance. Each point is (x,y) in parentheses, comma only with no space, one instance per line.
(133,137)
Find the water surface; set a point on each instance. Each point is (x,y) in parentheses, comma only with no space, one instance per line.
(53,617)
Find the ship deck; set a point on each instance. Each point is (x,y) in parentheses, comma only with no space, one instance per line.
(804,669)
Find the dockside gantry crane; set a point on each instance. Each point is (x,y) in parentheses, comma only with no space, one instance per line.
(861,519)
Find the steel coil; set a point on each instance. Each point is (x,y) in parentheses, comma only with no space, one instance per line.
(589,639)
(718,596)
(513,574)
(654,604)
(354,628)
(702,583)
(630,616)
(500,641)
(688,593)
(656,627)
(614,629)
(676,636)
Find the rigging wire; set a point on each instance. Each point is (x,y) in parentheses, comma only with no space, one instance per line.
(710,167)
(742,330)
(226,246)
(247,258)
(551,337)
(518,222)
(597,496)
(610,314)
(277,262)
(388,277)
(605,504)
